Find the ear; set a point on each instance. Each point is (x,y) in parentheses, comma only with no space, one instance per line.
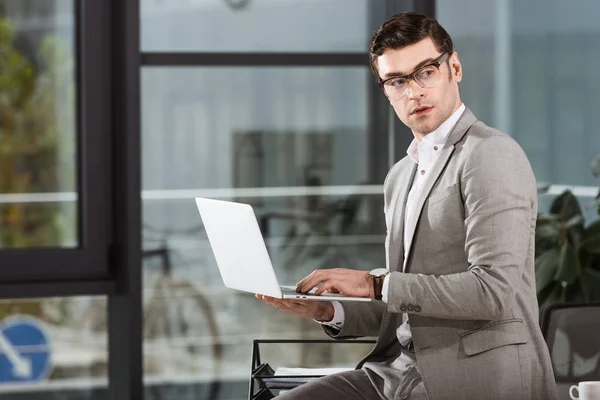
(455,67)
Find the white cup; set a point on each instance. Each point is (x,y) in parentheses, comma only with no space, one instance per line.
(586,391)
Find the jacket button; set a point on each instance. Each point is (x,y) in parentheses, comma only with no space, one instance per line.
(410,307)
(417,308)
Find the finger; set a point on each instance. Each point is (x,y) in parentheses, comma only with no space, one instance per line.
(293,308)
(260,297)
(267,299)
(300,303)
(324,287)
(302,308)
(293,303)
(303,281)
(316,275)
(283,304)
(276,303)
(311,281)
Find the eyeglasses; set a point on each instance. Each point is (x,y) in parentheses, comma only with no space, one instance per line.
(427,76)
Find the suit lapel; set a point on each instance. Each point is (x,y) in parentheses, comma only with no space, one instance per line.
(460,129)
(431,177)
(399,204)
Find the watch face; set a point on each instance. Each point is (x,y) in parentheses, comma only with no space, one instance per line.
(378,272)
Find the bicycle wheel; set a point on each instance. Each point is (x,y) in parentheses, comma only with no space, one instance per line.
(181,335)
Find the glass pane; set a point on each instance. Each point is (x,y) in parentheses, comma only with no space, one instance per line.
(53,348)
(256,25)
(38,206)
(293,143)
(530,68)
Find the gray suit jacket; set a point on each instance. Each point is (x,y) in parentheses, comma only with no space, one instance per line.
(468,282)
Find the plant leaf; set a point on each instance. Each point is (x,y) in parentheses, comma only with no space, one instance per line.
(545,268)
(547,234)
(590,238)
(567,268)
(573,221)
(544,218)
(586,259)
(591,280)
(551,296)
(547,230)
(546,292)
(543,245)
(566,207)
(596,167)
(594,262)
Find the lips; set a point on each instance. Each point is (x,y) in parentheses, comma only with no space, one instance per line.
(420,110)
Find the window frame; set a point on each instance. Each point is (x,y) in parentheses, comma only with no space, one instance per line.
(89,261)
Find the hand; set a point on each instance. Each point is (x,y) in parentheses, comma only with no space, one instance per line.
(339,280)
(319,310)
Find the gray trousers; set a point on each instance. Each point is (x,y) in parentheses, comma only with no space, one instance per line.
(397,379)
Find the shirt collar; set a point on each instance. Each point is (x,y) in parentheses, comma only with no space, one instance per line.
(438,136)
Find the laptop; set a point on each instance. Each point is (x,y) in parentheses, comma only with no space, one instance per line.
(241,252)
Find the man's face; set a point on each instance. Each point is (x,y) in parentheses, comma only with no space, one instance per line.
(422,109)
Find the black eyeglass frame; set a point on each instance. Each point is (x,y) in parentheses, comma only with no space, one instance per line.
(412,76)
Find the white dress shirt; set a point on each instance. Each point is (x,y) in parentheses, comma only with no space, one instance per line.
(424,154)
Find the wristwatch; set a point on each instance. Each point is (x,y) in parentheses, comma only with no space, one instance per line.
(378,275)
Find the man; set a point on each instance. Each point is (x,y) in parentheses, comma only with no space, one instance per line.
(458,317)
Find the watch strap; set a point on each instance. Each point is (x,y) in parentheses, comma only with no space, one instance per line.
(378,286)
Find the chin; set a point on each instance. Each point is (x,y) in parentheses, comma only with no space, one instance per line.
(425,128)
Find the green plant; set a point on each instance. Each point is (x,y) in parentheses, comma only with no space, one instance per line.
(36,116)
(567,264)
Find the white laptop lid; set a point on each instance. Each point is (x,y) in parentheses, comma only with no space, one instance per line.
(238,246)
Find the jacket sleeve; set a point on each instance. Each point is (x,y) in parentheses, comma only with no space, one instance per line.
(500,202)
(360,319)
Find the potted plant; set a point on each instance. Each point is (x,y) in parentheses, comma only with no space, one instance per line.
(567,251)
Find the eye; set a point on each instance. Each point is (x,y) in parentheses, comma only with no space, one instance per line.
(398,82)
(426,72)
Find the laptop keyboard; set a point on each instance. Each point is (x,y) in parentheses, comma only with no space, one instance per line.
(292,290)
(288,289)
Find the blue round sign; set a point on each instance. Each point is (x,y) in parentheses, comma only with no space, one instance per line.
(24,350)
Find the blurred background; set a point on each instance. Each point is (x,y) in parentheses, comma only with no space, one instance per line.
(268,102)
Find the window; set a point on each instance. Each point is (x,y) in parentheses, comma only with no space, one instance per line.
(530,70)
(255,25)
(54,161)
(279,138)
(38,146)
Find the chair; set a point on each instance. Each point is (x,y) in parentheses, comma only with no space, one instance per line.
(572,333)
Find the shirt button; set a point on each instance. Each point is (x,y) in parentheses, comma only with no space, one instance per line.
(422,172)
(435,147)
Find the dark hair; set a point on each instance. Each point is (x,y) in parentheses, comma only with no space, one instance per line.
(405,29)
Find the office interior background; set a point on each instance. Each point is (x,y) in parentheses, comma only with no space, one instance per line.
(114,115)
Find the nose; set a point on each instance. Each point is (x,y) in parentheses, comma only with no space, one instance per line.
(413,90)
